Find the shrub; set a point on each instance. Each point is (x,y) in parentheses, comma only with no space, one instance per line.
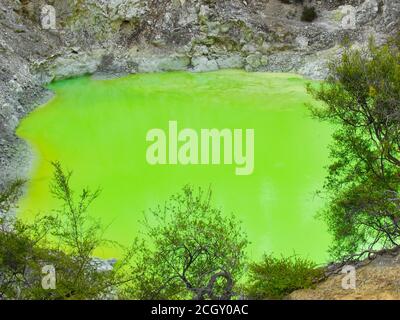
(190,251)
(309,14)
(362,99)
(275,278)
(65,239)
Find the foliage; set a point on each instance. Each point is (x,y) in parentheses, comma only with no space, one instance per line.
(9,195)
(309,14)
(362,100)
(275,278)
(189,250)
(65,239)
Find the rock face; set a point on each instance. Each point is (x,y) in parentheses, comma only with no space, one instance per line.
(379,279)
(115,37)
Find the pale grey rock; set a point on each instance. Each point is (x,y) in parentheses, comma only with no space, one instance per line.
(199,50)
(231,62)
(13,122)
(284,62)
(15,86)
(203,64)
(214,28)
(160,64)
(367,12)
(120,9)
(314,69)
(265,47)
(249,48)
(390,19)
(174,63)
(204,11)
(188,19)
(302,42)
(148,65)
(4,46)
(75,65)
(255,61)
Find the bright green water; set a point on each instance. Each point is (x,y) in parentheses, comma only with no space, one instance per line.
(98,130)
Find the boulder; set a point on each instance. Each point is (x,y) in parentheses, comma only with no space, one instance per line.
(203,64)
(367,12)
(235,61)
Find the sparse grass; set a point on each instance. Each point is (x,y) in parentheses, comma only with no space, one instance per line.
(274,278)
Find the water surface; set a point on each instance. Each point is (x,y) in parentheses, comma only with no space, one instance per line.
(98,130)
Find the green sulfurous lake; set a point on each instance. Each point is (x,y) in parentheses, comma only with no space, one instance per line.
(98,128)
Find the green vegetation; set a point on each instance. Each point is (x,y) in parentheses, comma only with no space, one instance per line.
(362,99)
(309,14)
(275,278)
(65,239)
(189,250)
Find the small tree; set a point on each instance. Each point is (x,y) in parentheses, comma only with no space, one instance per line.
(362,100)
(76,234)
(66,239)
(189,250)
(18,257)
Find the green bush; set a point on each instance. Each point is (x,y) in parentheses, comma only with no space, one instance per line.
(65,239)
(189,250)
(274,278)
(309,14)
(361,98)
